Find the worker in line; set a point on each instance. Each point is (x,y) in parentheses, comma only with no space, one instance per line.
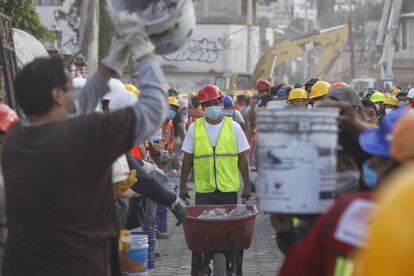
(178,121)
(298,98)
(263,87)
(378,98)
(280,99)
(229,111)
(195,111)
(168,129)
(318,91)
(57,171)
(390,103)
(217,148)
(8,117)
(370,111)
(402,98)
(309,83)
(387,249)
(350,159)
(410,98)
(328,248)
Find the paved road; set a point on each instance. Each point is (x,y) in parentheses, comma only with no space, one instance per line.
(261,259)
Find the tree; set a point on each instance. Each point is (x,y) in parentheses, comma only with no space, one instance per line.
(24,16)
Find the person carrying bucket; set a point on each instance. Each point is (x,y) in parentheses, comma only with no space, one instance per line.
(217,146)
(329,246)
(60,202)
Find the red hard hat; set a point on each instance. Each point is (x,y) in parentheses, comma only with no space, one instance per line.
(7,117)
(339,84)
(209,93)
(263,85)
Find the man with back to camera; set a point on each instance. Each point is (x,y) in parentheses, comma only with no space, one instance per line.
(60,202)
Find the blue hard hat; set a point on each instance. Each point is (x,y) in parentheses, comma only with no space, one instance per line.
(227,101)
(377,141)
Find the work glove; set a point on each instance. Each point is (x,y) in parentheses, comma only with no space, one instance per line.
(121,187)
(178,211)
(117,56)
(130,28)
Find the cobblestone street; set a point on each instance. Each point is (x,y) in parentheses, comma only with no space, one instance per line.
(261,259)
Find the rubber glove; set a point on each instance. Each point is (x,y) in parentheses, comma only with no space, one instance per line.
(117,56)
(178,211)
(121,187)
(130,28)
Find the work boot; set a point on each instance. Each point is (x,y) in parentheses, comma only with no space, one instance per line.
(162,236)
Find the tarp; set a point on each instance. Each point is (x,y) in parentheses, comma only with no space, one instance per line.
(27,47)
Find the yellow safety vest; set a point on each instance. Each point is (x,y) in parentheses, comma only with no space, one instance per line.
(215,168)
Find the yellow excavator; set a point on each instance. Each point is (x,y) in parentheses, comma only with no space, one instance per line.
(332,41)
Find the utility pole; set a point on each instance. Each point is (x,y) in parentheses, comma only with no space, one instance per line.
(306,58)
(89,33)
(249,35)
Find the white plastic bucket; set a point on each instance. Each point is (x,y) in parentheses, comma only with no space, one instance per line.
(297,160)
(135,260)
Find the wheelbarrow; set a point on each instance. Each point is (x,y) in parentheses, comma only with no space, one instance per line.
(229,234)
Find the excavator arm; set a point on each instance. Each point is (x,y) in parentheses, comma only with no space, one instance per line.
(334,40)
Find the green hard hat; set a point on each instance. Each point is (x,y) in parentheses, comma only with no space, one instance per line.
(377,97)
(172,92)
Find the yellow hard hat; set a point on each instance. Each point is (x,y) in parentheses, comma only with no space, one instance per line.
(248,93)
(395,91)
(391,100)
(131,88)
(402,148)
(298,93)
(377,97)
(319,89)
(388,249)
(173,101)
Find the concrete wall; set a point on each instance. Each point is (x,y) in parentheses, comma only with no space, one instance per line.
(69,39)
(213,50)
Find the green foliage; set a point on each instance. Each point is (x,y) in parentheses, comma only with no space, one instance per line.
(24,16)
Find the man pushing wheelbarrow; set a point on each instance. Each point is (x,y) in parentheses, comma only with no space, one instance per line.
(216,147)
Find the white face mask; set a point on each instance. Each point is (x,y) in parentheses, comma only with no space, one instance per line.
(388,110)
(378,106)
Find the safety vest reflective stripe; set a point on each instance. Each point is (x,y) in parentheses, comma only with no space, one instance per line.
(344,267)
(217,155)
(215,168)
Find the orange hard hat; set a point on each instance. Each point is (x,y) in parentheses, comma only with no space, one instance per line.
(209,93)
(339,84)
(8,117)
(263,85)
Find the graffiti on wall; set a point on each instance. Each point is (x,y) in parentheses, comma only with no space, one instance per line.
(203,50)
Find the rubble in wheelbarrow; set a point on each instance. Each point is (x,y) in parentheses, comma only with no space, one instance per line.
(220,213)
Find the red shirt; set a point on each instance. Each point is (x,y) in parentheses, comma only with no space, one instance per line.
(320,253)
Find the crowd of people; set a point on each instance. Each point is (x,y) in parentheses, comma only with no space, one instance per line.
(93,156)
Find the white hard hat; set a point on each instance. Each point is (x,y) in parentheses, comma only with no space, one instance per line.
(410,93)
(116,85)
(78,83)
(169,23)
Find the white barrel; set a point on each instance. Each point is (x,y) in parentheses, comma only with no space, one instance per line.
(297,160)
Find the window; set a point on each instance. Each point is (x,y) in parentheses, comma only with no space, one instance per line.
(48,2)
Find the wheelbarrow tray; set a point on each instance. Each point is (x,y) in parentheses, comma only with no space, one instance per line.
(218,233)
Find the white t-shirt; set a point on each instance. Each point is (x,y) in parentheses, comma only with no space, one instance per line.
(213,131)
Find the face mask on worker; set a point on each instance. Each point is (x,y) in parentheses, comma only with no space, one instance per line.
(369,175)
(213,112)
(347,182)
(171,114)
(378,106)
